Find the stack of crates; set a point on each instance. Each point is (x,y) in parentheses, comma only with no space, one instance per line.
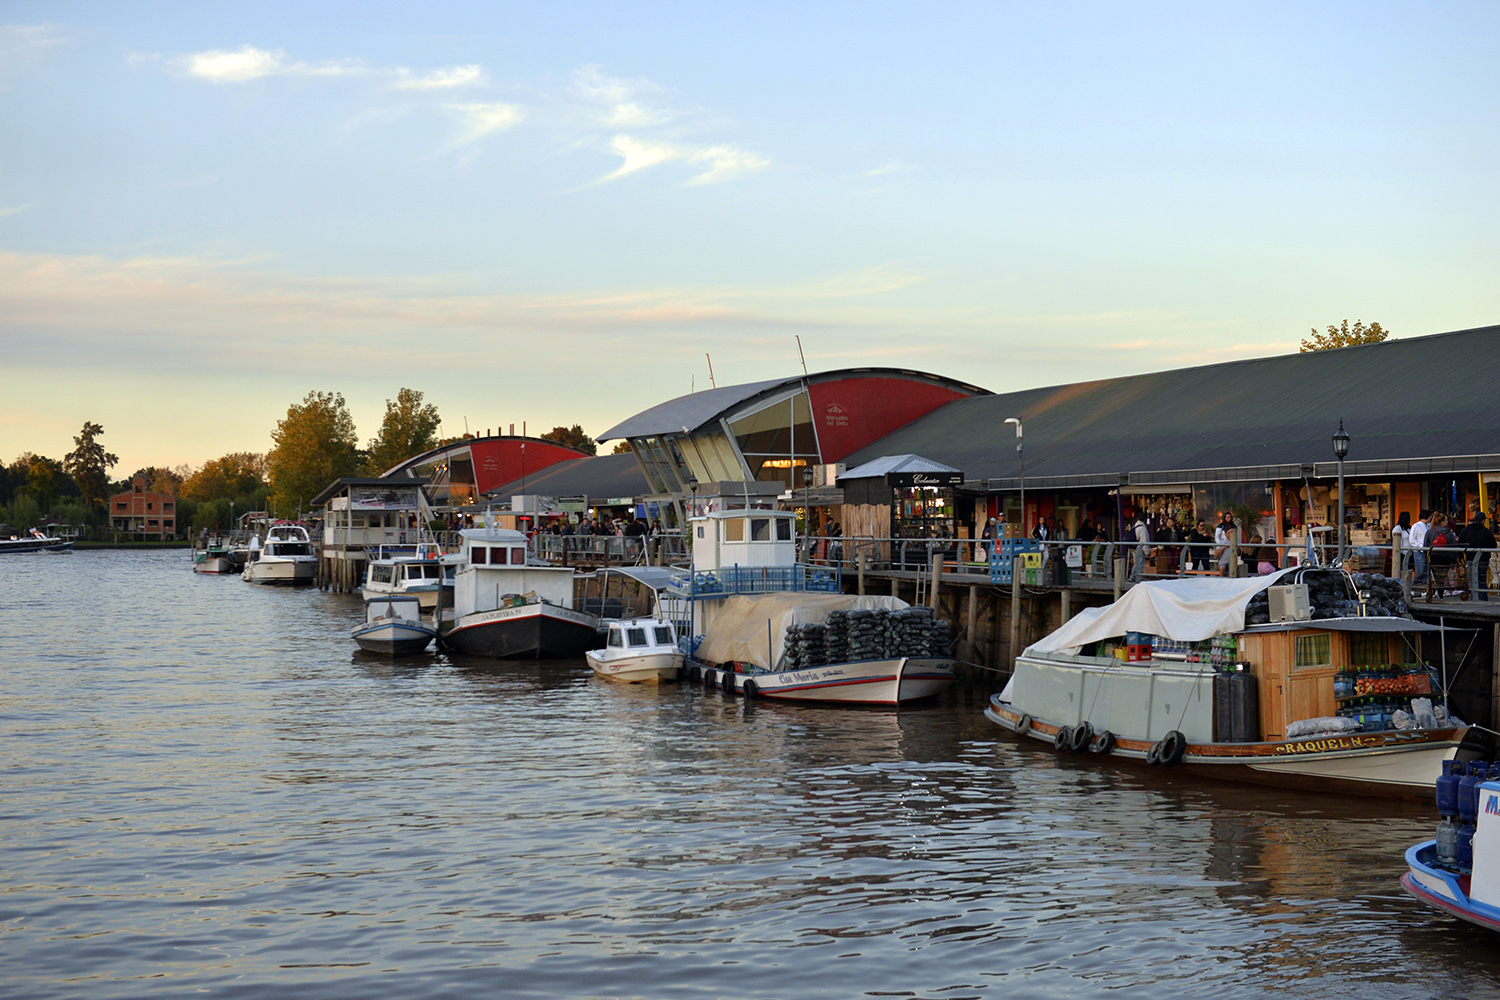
(1002,562)
(1138,646)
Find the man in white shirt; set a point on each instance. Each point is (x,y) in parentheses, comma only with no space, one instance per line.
(1417,539)
(1221,539)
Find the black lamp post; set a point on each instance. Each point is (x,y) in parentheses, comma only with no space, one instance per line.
(1020,457)
(807,478)
(1340,449)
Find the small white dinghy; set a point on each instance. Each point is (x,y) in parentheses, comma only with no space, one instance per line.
(638,650)
(393,626)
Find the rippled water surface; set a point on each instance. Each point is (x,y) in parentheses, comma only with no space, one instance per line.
(207,790)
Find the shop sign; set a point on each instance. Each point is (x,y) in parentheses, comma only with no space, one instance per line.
(573,505)
(382,498)
(912,479)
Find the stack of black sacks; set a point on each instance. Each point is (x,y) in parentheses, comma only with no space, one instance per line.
(1328,593)
(849,636)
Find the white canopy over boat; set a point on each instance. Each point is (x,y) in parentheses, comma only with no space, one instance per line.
(1188,610)
(746,627)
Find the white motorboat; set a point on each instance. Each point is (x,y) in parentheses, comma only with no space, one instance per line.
(423,573)
(768,626)
(285,556)
(1172,675)
(638,650)
(35,541)
(393,626)
(213,557)
(506,605)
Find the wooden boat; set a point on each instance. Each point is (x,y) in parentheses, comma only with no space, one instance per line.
(1471,892)
(760,619)
(1268,713)
(507,606)
(638,650)
(285,556)
(393,626)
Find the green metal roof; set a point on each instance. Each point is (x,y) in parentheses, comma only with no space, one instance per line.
(1414,406)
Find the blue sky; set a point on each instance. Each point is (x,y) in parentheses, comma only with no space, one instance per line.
(550,214)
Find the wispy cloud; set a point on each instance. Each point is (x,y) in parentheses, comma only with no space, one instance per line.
(439,79)
(13,209)
(718,163)
(250,63)
(21,37)
(886,169)
(617,102)
(479,120)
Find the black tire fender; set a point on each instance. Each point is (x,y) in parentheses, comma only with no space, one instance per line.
(1153,756)
(1104,743)
(1023,726)
(1083,735)
(751,689)
(1064,738)
(1173,746)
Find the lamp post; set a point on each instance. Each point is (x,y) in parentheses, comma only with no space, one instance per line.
(1340,449)
(1020,457)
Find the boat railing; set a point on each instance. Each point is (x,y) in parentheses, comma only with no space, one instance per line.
(731,581)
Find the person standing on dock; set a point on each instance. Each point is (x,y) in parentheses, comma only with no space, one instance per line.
(1417,539)
(1478,540)
(1142,536)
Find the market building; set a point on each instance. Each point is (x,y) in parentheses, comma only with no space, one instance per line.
(462,471)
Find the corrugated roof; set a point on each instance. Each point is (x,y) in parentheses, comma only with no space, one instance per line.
(1401,401)
(596,476)
(878,467)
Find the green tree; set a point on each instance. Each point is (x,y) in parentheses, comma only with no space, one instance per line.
(572,437)
(43,480)
(621,447)
(408,429)
(314,445)
(1344,336)
(89,464)
(235,475)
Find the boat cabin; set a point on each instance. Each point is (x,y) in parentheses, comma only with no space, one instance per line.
(494,566)
(642,636)
(725,538)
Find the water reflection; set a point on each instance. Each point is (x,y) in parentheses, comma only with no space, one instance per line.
(222,796)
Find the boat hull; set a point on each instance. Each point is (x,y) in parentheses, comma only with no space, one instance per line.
(398,638)
(532,631)
(865,682)
(215,564)
(1391,763)
(426,595)
(1444,890)
(636,668)
(279,571)
(35,545)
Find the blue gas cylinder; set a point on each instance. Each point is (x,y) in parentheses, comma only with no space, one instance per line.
(1466,846)
(1447,791)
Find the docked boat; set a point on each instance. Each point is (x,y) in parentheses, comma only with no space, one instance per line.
(1458,872)
(509,607)
(422,572)
(284,556)
(638,650)
(213,557)
(393,626)
(1322,689)
(35,541)
(768,626)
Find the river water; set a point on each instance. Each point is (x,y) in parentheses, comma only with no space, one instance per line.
(208,790)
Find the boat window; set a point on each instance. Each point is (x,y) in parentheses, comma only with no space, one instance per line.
(1368,649)
(497,556)
(518,557)
(700,527)
(734,529)
(479,555)
(637,636)
(381,574)
(1314,650)
(783,529)
(432,571)
(760,529)
(663,635)
(616,640)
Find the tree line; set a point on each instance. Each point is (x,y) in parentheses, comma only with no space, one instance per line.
(312,446)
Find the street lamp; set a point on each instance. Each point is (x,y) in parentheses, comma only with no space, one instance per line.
(1021,457)
(807,478)
(1340,449)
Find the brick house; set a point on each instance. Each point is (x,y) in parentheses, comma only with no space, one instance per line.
(143,513)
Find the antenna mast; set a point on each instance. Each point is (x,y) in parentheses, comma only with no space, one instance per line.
(801,355)
(711,371)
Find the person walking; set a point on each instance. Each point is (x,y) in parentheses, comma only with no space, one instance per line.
(1417,539)
(1142,535)
(1221,541)
(1199,544)
(1478,540)
(1401,540)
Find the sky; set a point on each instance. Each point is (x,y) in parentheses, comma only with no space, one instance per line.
(544,214)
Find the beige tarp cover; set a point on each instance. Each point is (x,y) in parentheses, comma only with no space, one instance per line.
(739,630)
(1188,610)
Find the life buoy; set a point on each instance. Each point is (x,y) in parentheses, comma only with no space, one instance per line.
(751,689)
(1023,726)
(1173,746)
(1082,737)
(1064,738)
(1104,743)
